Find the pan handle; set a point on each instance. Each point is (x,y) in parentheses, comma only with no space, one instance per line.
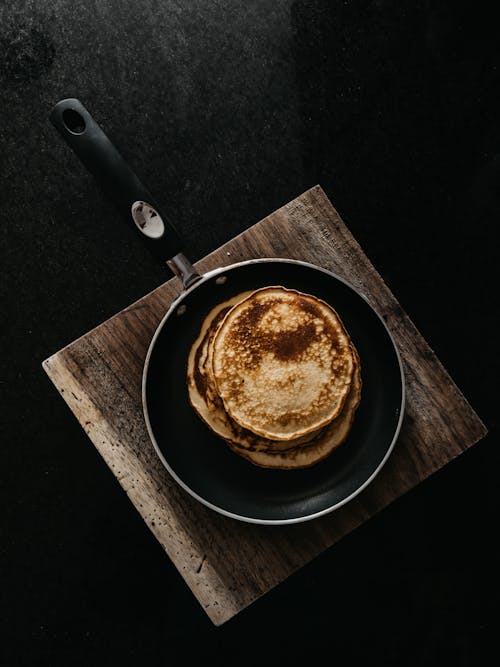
(91,145)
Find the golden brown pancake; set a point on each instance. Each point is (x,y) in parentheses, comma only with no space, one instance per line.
(282,363)
(203,391)
(322,446)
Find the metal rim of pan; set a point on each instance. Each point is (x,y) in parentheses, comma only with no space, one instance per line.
(248,519)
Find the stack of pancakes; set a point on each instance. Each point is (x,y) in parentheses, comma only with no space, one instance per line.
(274,373)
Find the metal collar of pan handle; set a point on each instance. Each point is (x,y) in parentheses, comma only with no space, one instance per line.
(151,224)
(183,269)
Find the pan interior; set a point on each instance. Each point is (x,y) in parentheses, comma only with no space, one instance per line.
(205,465)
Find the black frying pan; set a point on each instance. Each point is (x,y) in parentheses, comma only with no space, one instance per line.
(196,458)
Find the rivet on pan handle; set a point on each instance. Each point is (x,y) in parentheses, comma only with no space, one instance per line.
(137,205)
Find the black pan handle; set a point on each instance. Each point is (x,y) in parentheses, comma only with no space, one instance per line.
(102,159)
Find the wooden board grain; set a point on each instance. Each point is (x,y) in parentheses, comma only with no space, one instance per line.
(226,563)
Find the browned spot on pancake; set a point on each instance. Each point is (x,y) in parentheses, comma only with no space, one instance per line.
(284,345)
(284,419)
(289,345)
(251,317)
(309,307)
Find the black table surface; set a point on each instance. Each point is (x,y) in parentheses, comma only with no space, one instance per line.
(228,110)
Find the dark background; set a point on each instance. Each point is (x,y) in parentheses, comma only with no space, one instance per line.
(228,110)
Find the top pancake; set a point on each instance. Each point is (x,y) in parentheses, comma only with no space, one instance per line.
(203,394)
(282,363)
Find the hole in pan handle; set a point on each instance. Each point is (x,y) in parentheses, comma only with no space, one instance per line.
(102,159)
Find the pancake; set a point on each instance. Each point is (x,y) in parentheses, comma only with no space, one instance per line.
(282,363)
(331,437)
(203,394)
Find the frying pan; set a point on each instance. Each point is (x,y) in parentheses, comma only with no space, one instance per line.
(196,458)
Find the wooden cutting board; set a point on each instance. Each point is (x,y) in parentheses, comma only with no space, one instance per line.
(226,563)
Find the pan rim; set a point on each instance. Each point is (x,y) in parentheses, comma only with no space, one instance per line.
(308,517)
